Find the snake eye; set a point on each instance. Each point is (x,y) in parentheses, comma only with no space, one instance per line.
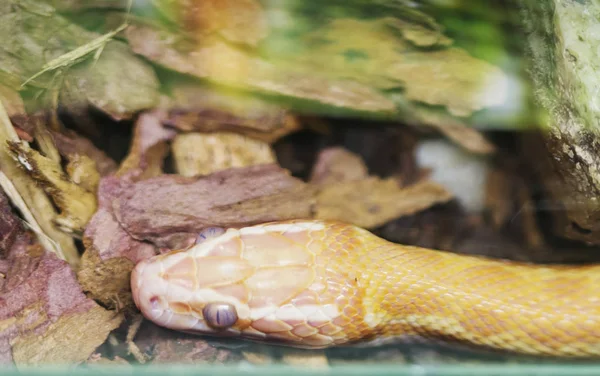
(208,233)
(220,315)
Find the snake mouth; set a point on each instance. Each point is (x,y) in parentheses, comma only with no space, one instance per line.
(147,294)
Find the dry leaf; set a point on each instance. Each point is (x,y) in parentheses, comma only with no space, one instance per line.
(148,147)
(198,108)
(202,154)
(460,133)
(372,202)
(31,200)
(447,77)
(222,63)
(70,143)
(240,21)
(76,204)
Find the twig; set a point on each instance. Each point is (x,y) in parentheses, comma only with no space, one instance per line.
(131,346)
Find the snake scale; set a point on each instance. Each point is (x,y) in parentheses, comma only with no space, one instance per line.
(316,284)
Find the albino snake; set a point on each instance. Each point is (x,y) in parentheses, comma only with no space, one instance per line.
(316,284)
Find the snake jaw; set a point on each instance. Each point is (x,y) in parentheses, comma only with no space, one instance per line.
(283,280)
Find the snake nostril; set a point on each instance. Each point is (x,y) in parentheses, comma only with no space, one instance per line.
(154,302)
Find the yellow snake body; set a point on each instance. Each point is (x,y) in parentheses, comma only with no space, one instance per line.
(316,284)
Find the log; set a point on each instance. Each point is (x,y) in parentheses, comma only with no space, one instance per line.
(562,47)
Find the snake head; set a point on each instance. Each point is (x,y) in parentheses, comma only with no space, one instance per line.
(268,282)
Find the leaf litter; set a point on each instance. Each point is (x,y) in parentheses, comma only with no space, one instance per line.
(218,134)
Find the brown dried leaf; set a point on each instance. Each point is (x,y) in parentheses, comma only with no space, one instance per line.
(240,21)
(45,318)
(372,202)
(460,133)
(77,205)
(197,108)
(148,147)
(448,77)
(202,154)
(31,200)
(170,210)
(222,63)
(70,143)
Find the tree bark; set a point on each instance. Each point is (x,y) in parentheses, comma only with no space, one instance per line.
(563,50)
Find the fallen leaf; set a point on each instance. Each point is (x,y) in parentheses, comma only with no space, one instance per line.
(36,207)
(46,319)
(148,147)
(197,108)
(70,143)
(448,77)
(457,131)
(224,64)
(202,154)
(372,202)
(118,82)
(240,21)
(76,204)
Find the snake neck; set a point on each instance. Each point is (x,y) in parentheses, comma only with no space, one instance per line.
(532,309)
